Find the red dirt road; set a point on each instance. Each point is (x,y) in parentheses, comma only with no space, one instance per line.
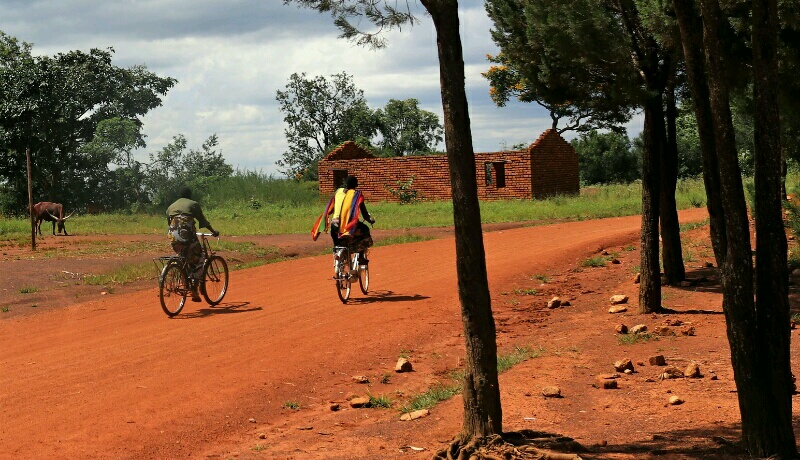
(118,379)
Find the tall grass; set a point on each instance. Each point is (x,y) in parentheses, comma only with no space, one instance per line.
(253,204)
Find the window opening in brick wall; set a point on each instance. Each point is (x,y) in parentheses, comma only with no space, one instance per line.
(338,177)
(488,170)
(500,175)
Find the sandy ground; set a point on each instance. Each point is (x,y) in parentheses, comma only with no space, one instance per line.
(109,376)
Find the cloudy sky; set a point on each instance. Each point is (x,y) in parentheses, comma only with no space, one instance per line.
(230,57)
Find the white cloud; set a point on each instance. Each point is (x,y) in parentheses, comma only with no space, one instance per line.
(231,57)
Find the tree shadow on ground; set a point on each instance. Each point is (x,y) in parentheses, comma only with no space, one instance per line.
(221,309)
(719,442)
(385,296)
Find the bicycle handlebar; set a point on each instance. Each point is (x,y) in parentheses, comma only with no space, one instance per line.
(206,234)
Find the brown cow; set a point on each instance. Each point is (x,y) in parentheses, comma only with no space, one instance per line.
(46,211)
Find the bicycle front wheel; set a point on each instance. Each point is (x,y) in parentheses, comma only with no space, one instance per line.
(173,286)
(215,277)
(343,280)
(363,278)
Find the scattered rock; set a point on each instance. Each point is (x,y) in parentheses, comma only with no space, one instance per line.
(618,299)
(334,407)
(555,302)
(305,428)
(615,261)
(565,303)
(713,376)
(638,329)
(623,364)
(359,402)
(262,435)
(663,331)
(251,420)
(606,381)
(686,283)
(403,365)
(672,372)
(692,371)
(672,322)
(708,265)
(688,330)
(637,279)
(675,401)
(551,392)
(408,416)
(617,309)
(657,360)
(360,379)
(628,371)
(622,329)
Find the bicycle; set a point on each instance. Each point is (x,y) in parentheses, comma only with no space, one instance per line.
(176,280)
(347,268)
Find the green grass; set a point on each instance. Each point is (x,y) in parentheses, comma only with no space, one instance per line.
(402,239)
(432,397)
(692,225)
(596,261)
(518,355)
(444,391)
(630,339)
(541,277)
(243,207)
(293,405)
(380,401)
(525,291)
(127,273)
(28,290)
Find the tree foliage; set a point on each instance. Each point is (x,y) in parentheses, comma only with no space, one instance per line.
(321,114)
(406,129)
(606,158)
(569,57)
(53,105)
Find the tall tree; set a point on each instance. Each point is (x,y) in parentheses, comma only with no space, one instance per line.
(406,129)
(482,410)
(321,114)
(593,54)
(54,104)
(757,330)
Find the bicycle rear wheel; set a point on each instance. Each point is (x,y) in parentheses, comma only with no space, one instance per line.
(343,279)
(215,280)
(173,286)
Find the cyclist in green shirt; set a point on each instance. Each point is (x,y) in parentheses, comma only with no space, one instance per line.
(182,233)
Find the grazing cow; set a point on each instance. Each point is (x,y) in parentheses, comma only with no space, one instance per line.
(46,211)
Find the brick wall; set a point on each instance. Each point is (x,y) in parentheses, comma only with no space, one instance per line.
(555,166)
(554,161)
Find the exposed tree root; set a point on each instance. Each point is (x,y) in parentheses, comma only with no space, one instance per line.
(523,445)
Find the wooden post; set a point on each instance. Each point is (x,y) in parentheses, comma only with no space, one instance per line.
(30,199)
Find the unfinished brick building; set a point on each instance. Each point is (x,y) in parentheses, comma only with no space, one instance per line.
(548,167)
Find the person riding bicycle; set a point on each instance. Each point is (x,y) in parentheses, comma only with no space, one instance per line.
(342,213)
(182,233)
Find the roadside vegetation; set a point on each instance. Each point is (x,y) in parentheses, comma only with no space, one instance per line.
(253,204)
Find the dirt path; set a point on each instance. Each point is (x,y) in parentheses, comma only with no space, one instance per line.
(114,378)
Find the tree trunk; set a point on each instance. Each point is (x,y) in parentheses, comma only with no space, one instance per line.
(672,255)
(759,351)
(650,287)
(692,39)
(482,411)
(769,432)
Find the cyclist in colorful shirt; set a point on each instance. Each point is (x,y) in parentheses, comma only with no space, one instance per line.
(342,213)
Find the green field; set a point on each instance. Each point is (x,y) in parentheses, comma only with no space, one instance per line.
(283,212)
